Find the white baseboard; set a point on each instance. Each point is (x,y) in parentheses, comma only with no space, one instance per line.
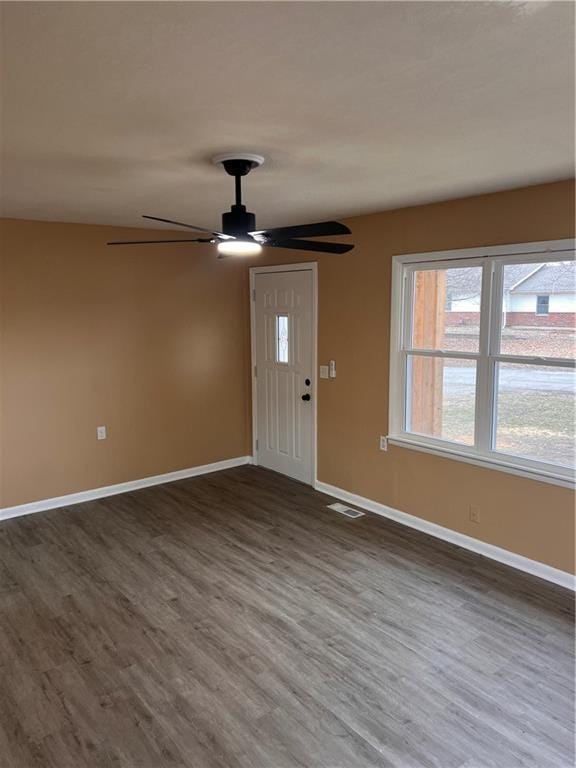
(512,559)
(113,490)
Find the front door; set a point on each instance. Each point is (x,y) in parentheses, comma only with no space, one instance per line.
(283,346)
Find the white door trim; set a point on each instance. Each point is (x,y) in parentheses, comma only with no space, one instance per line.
(309,266)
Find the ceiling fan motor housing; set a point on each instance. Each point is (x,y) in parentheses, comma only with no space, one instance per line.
(238,221)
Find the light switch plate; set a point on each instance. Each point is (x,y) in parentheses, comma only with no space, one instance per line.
(101,433)
(332,369)
(324,372)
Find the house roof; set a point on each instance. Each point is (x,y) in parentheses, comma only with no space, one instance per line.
(514,274)
(557,277)
(467,281)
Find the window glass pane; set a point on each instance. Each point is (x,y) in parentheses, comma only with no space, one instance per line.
(446,312)
(542,305)
(539,309)
(441,398)
(281,338)
(535,412)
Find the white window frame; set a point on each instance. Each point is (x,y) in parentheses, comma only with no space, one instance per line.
(495,257)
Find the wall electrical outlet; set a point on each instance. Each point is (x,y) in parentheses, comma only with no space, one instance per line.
(324,372)
(383,443)
(474,513)
(101,433)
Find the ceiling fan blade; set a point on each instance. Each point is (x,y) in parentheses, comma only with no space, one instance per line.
(188,226)
(320,229)
(178,223)
(149,242)
(310,245)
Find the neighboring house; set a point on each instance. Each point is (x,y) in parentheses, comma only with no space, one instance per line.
(545,297)
(534,295)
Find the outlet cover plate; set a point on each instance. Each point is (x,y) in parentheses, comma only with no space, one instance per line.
(474,513)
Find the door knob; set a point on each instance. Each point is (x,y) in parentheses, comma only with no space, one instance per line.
(306,397)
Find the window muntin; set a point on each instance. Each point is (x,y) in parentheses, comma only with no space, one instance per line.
(487,349)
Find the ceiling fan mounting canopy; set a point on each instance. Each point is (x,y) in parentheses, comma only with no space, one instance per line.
(238,163)
(239,235)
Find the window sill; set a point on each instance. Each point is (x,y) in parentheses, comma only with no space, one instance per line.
(542,476)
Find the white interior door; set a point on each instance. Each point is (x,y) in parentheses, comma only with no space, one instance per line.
(283,350)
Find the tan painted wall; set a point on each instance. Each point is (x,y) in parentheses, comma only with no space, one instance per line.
(144,340)
(531,518)
(155,345)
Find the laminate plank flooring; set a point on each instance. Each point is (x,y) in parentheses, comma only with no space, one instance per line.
(233,621)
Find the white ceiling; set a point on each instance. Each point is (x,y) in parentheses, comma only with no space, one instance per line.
(112,109)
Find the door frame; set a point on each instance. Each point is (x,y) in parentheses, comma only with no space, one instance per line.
(307,266)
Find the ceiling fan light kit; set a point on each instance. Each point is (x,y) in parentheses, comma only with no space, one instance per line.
(239,236)
(239,248)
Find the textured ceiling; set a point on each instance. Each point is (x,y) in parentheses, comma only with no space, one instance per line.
(112,109)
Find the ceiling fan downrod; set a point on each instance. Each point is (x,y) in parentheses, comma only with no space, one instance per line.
(238,221)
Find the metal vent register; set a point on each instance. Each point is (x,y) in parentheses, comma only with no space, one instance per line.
(344,510)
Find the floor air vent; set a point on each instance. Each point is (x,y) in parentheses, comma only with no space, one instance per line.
(344,510)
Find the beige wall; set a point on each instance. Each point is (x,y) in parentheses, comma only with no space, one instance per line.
(531,518)
(154,343)
(147,341)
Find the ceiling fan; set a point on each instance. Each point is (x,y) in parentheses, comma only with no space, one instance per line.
(239,236)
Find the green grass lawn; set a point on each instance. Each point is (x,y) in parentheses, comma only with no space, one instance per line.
(537,425)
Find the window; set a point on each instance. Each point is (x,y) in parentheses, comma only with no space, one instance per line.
(475,373)
(281,338)
(542,305)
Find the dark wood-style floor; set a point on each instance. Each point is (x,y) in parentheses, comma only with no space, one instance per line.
(232,621)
